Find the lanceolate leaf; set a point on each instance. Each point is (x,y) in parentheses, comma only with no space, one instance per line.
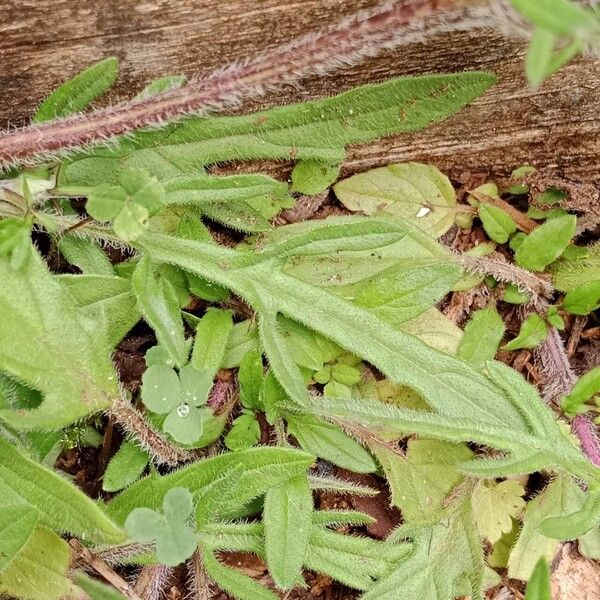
(263,468)
(316,130)
(287,519)
(483,334)
(58,503)
(75,95)
(47,342)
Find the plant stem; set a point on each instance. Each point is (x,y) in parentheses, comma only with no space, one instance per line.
(352,40)
(161,449)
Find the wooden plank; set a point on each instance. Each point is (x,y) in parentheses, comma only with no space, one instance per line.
(43,42)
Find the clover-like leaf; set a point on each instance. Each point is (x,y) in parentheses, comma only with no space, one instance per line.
(195,385)
(185,424)
(161,389)
(175,539)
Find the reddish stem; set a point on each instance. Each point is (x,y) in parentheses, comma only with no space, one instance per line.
(587,433)
(362,35)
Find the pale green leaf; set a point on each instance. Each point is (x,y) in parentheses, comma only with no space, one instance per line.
(17,524)
(85,254)
(48,343)
(560,497)
(244,432)
(446,555)
(157,301)
(328,441)
(125,467)
(77,93)
(105,202)
(250,377)
(420,482)
(414,191)
(110,300)
(263,468)
(482,336)
(59,504)
(161,389)
(313,177)
(160,85)
(131,221)
(287,518)
(546,243)
(569,273)
(539,55)
(40,570)
(317,130)
(210,344)
(494,507)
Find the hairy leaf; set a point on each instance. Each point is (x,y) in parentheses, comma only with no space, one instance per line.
(48,343)
(533,331)
(77,93)
(317,130)
(212,332)
(59,504)
(538,586)
(125,467)
(287,518)
(482,336)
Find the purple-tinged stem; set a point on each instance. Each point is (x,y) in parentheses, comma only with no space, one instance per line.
(355,38)
(587,433)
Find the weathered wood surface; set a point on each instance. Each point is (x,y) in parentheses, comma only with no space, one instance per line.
(43,42)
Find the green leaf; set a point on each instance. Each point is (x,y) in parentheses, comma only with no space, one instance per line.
(560,17)
(175,540)
(287,518)
(109,300)
(185,424)
(539,56)
(131,221)
(262,468)
(495,505)
(328,441)
(560,497)
(421,482)
(244,432)
(538,586)
(40,569)
(445,555)
(482,336)
(80,91)
(160,85)
(572,272)
(585,388)
(158,304)
(161,389)
(125,467)
(577,523)
(15,241)
(416,192)
(105,202)
(546,243)
(234,582)
(85,254)
(212,332)
(583,299)
(317,130)
(96,590)
(250,377)
(313,177)
(533,331)
(47,343)
(497,223)
(17,524)
(58,503)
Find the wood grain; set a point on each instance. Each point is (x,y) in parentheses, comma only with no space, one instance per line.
(42,42)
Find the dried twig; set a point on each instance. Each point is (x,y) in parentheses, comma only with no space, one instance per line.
(82,554)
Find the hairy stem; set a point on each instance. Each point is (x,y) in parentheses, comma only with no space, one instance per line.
(198,581)
(162,451)
(587,433)
(355,38)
